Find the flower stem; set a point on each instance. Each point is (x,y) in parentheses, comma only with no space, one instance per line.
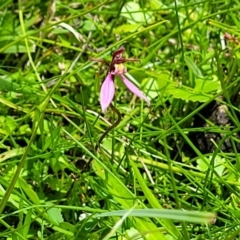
(114,125)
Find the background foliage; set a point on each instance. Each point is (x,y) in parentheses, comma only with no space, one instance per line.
(179,154)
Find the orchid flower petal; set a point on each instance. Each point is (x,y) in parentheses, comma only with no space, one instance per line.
(107,92)
(134,89)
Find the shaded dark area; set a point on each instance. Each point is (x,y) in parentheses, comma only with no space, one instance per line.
(215,115)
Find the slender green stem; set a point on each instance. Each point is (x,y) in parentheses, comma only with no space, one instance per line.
(115,124)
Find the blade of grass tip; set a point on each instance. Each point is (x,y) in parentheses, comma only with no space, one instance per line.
(174,214)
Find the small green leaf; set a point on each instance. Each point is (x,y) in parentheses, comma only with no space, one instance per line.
(218,165)
(55,214)
(201,165)
(127,28)
(135,14)
(133,233)
(152,88)
(6,84)
(88,25)
(67,226)
(206,86)
(193,67)
(186,94)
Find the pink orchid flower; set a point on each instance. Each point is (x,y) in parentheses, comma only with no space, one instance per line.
(116,67)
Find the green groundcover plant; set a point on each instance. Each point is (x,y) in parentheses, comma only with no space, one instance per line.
(82,156)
